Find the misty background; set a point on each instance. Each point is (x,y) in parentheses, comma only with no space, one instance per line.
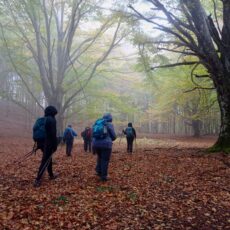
(90,57)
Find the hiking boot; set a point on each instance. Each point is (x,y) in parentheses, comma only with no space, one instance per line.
(98,174)
(37,183)
(53,177)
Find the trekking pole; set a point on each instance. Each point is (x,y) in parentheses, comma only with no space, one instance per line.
(47,162)
(45,165)
(27,155)
(122,134)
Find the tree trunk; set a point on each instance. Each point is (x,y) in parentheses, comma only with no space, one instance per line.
(56,101)
(196,128)
(223,95)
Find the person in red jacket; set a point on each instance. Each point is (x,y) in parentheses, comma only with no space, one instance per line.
(87,137)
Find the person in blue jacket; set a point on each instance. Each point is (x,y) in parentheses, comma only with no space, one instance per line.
(68,138)
(103,147)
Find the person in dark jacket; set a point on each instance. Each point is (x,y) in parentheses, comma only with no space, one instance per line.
(87,138)
(130,133)
(103,148)
(68,138)
(48,146)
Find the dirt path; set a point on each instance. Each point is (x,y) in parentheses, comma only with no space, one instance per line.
(165,184)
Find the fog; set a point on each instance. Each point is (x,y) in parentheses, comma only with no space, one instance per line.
(102,64)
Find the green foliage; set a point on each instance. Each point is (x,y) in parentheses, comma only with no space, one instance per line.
(60,201)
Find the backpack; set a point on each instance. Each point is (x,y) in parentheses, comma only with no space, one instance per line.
(100,129)
(68,135)
(129,132)
(39,131)
(88,133)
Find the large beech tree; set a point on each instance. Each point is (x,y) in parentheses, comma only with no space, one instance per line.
(63,43)
(192,32)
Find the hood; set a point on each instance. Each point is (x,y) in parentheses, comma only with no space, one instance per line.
(50,111)
(108,117)
(130,124)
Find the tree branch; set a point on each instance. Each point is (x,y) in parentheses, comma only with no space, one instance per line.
(49,46)
(195,88)
(99,61)
(15,68)
(177,51)
(175,64)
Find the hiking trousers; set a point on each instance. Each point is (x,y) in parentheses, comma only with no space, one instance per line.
(69,147)
(103,158)
(46,162)
(130,144)
(87,145)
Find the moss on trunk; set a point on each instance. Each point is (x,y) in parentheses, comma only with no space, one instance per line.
(221,145)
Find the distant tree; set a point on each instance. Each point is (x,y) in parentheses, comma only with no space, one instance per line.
(191,32)
(177,98)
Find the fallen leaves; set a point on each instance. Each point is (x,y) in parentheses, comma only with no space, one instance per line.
(166,187)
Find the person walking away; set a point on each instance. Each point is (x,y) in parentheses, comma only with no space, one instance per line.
(48,146)
(68,138)
(130,133)
(87,138)
(103,137)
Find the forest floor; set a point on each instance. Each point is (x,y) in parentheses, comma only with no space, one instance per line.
(164,184)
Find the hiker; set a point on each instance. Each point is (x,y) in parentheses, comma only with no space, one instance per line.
(48,146)
(103,136)
(68,138)
(130,136)
(87,137)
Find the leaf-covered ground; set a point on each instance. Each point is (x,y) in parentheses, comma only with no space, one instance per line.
(165,184)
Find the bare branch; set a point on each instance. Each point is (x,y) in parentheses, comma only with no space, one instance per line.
(198,88)
(20,104)
(190,44)
(202,76)
(175,64)
(15,68)
(217,22)
(80,50)
(178,51)
(99,61)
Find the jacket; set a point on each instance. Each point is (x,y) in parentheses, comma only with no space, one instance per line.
(73,134)
(50,127)
(106,142)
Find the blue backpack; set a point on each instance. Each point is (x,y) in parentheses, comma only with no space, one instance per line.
(39,131)
(100,129)
(129,132)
